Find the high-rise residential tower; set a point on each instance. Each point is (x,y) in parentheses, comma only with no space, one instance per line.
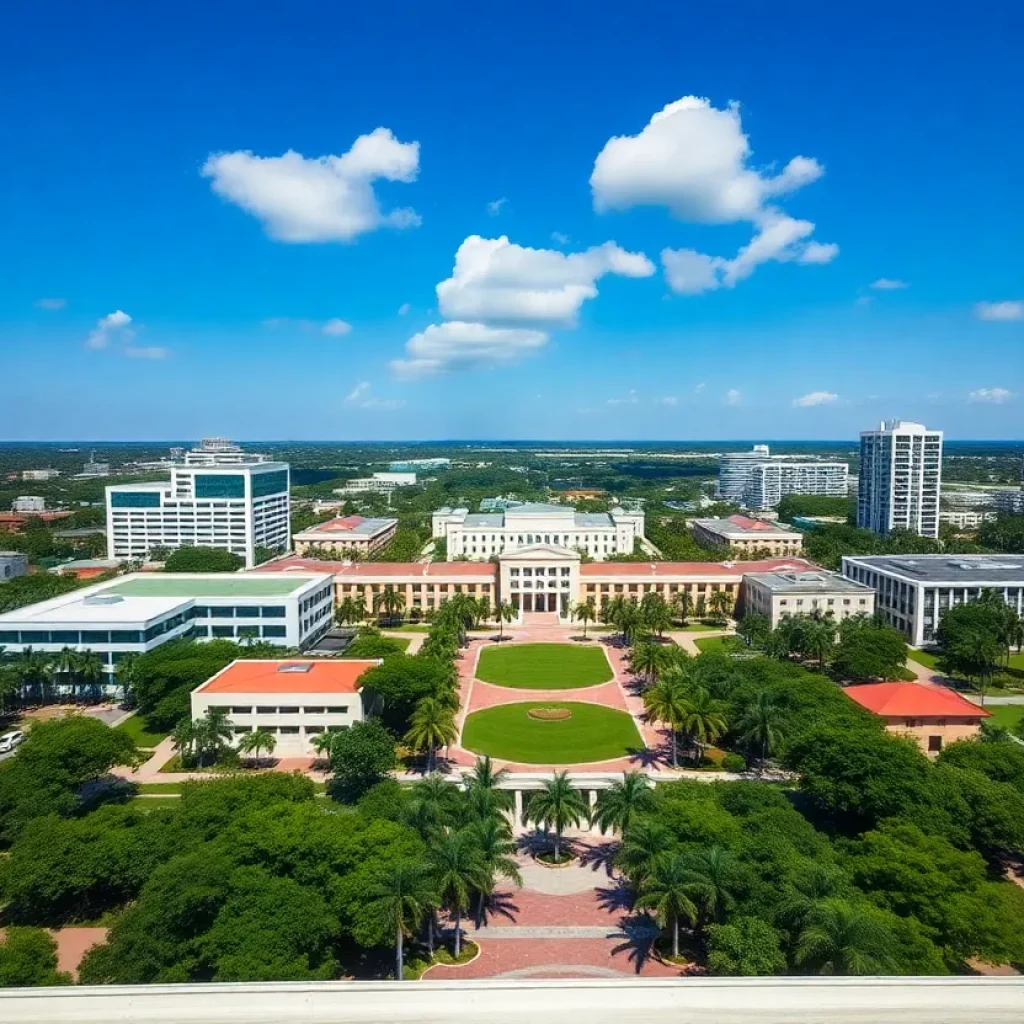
(900,478)
(758,480)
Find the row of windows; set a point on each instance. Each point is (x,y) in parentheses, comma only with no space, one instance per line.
(242,632)
(331,709)
(356,589)
(90,637)
(540,571)
(644,588)
(291,730)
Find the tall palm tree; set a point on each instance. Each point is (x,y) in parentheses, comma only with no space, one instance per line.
(712,883)
(89,669)
(124,673)
(700,609)
(349,611)
(483,788)
(683,603)
(810,886)
(458,870)
(721,604)
(431,725)
(667,702)
(483,610)
(655,613)
(32,669)
(644,843)
(760,725)
(62,667)
(841,938)
(666,892)
(185,738)
(256,743)
(703,719)
(401,898)
(819,638)
(493,839)
(504,612)
(646,658)
(389,602)
(618,805)
(585,612)
(322,743)
(557,807)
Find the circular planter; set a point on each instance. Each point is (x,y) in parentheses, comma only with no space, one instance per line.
(567,862)
(550,714)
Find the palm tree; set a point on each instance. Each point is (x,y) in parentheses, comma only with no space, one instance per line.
(483,787)
(504,612)
(390,602)
(819,638)
(32,669)
(721,604)
(841,938)
(458,869)
(400,899)
(810,886)
(89,670)
(667,703)
(124,673)
(322,743)
(217,730)
(644,843)
(665,892)
(431,725)
(703,719)
(622,801)
(493,838)
(349,612)
(760,725)
(256,743)
(557,806)
(683,603)
(185,737)
(483,610)
(62,667)
(655,613)
(712,883)
(646,657)
(585,612)
(700,609)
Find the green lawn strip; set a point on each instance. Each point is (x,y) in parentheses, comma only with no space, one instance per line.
(143,738)
(593,733)
(698,627)
(544,666)
(719,644)
(1006,715)
(160,788)
(926,658)
(1016,665)
(149,803)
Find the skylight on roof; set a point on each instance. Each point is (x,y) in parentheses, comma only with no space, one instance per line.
(301,667)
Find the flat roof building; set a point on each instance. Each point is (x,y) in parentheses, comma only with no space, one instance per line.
(784,593)
(913,591)
(12,565)
(346,536)
(238,508)
(28,503)
(294,700)
(758,480)
(381,482)
(743,535)
(141,611)
(931,715)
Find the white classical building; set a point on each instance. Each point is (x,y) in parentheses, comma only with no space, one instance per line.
(237,507)
(900,478)
(479,536)
(794,592)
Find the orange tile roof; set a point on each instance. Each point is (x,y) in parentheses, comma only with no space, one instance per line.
(698,570)
(913,700)
(746,523)
(357,570)
(336,675)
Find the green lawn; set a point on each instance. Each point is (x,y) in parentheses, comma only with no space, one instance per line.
(719,644)
(151,803)
(697,627)
(136,728)
(930,660)
(161,788)
(544,666)
(926,658)
(1006,715)
(593,733)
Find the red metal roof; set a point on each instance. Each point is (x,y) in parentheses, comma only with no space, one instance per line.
(336,675)
(913,700)
(696,570)
(358,570)
(746,523)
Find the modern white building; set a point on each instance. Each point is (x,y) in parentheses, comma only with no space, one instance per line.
(140,611)
(419,465)
(778,595)
(479,536)
(12,565)
(381,482)
(913,591)
(294,700)
(965,519)
(900,478)
(238,508)
(219,451)
(1010,501)
(40,474)
(759,480)
(28,503)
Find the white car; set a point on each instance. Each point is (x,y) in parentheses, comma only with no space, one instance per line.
(9,741)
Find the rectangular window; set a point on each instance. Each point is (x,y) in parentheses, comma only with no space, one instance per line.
(934,744)
(220,485)
(241,711)
(276,631)
(221,613)
(287,711)
(275,482)
(125,636)
(223,631)
(314,711)
(134,499)
(338,710)
(266,711)
(64,636)
(95,636)
(288,730)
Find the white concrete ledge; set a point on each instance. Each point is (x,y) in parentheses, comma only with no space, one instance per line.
(593,1001)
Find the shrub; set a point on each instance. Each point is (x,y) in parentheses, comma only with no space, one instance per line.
(734,763)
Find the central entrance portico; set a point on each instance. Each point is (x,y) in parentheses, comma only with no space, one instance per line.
(541,578)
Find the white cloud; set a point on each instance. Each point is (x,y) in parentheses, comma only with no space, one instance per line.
(732,397)
(994,395)
(1007,310)
(146,352)
(669,400)
(404,309)
(318,199)
(700,387)
(495,205)
(113,326)
(496,280)
(694,159)
(889,284)
(336,328)
(630,399)
(359,396)
(357,392)
(815,398)
(459,345)
(559,238)
(51,304)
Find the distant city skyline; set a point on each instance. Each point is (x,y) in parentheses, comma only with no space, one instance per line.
(670,233)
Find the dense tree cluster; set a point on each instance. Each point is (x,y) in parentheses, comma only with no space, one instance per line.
(975,638)
(202,559)
(793,505)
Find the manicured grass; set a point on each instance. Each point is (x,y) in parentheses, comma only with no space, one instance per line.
(544,666)
(1006,715)
(719,644)
(593,733)
(151,803)
(697,627)
(927,658)
(136,728)
(161,788)
(930,660)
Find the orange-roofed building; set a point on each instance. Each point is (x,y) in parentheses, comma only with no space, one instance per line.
(746,536)
(347,536)
(932,715)
(294,700)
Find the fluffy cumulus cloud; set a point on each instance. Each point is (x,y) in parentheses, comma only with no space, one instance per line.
(1007,310)
(889,284)
(112,327)
(318,199)
(461,345)
(336,328)
(496,280)
(995,396)
(694,159)
(814,398)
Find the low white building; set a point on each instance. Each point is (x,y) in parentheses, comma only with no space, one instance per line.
(294,701)
(742,535)
(783,593)
(141,611)
(40,474)
(380,482)
(965,519)
(28,503)
(480,536)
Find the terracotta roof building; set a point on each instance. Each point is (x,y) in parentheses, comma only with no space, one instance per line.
(932,715)
(347,535)
(747,536)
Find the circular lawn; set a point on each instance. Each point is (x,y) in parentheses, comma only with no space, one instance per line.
(544,666)
(591,732)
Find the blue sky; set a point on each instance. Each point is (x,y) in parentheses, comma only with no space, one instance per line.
(705,274)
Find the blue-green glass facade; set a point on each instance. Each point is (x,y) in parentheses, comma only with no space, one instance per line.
(134,499)
(274,482)
(220,485)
